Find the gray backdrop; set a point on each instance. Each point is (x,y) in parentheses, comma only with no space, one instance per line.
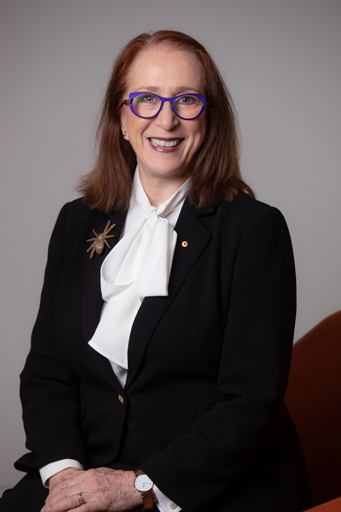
(281,60)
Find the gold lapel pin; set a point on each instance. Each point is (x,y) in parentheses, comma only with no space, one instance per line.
(99,240)
(184,244)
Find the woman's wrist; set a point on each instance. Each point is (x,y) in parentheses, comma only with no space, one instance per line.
(55,479)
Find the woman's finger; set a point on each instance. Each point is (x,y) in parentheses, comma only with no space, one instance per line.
(68,504)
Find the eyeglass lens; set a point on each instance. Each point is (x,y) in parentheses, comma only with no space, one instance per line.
(187,106)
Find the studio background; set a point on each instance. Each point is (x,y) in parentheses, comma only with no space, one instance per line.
(281,61)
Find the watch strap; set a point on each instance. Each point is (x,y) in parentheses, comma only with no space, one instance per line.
(148,500)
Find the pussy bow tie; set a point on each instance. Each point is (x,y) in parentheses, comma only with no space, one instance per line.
(138,266)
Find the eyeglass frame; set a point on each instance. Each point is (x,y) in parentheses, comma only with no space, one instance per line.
(133,95)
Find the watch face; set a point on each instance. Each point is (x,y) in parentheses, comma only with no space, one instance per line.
(143,483)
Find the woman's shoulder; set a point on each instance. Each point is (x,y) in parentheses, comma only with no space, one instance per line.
(244,202)
(76,208)
(246,216)
(77,212)
(244,208)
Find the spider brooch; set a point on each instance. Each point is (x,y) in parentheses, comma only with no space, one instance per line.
(101,239)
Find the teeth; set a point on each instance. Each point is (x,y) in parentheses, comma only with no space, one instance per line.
(165,143)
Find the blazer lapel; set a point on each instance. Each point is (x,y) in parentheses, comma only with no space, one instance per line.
(92,297)
(193,237)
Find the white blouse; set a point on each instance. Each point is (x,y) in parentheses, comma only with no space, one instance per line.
(138,266)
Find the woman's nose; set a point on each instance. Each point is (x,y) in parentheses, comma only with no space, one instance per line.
(167,119)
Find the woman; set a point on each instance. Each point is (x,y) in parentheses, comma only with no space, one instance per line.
(162,347)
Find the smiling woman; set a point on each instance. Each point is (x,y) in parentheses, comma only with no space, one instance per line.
(161,351)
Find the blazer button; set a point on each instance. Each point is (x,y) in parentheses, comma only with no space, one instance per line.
(121,399)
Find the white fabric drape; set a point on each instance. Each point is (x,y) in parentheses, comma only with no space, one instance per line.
(138,266)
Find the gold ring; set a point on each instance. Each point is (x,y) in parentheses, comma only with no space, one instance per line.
(80,499)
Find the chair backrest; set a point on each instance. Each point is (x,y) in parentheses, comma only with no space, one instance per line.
(314,401)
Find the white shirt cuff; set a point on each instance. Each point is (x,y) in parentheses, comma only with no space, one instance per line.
(164,504)
(55,467)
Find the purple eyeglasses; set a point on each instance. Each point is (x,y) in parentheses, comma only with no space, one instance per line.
(148,105)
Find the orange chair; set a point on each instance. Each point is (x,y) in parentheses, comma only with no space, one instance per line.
(314,401)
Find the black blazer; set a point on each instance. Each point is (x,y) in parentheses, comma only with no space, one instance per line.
(208,364)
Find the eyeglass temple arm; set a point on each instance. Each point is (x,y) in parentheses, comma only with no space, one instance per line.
(127,102)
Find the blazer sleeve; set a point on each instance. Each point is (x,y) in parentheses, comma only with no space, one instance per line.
(253,373)
(49,393)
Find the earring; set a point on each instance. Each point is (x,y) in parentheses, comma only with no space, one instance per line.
(124,134)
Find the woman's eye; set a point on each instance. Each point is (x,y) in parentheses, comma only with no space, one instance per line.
(147,98)
(186,100)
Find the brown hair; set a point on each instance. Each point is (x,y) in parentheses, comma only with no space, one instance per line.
(215,175)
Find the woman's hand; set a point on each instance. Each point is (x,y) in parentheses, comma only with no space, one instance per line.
(57,478)
(102,489)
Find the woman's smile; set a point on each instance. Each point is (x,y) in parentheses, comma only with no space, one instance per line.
(161,144)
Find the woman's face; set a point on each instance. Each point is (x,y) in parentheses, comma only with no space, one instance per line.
(166,72)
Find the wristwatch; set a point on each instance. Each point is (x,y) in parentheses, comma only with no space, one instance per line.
(144,484)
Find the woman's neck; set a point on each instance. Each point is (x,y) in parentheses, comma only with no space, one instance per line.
(160,188)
